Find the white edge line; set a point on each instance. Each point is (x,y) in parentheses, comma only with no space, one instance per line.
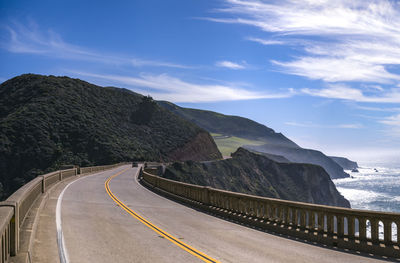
(62,250)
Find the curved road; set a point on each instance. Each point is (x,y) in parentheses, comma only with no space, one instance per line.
(97,229)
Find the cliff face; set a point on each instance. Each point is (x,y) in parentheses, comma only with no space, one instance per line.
(202,147)
(300,155)
(256,174)
(344,162)
(48,121)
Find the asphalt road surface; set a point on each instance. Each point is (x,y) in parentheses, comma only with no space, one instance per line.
(129,223)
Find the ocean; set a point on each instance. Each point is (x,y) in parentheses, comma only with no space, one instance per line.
(372,189)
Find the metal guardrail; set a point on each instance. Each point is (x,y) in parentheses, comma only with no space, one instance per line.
(14,210)
(347,228)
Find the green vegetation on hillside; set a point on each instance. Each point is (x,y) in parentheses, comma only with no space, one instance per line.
(236,126)
(229,144)
(49,121)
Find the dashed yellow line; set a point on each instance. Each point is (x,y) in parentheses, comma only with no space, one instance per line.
(158,230)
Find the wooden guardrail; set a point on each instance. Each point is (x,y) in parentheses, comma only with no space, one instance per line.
(14,210)
(347,228)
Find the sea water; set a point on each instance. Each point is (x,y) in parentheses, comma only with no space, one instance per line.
(373,188)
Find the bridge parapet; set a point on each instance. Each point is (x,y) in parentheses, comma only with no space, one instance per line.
(359,230)
(15,209)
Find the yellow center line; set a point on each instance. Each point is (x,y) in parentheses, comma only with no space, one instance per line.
(158,230)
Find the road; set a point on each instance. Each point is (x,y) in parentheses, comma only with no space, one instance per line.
(145,227)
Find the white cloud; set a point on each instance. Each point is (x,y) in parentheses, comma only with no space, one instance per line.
(266,42)
(165,87)
(392,120)
(336,126)
(347,93)
(30,40)
(229,64)
(343,40)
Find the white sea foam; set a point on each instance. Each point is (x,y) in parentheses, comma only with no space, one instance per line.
(373,190)
(358,197)
(396,198)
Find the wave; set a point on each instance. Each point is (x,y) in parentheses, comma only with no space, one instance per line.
(359,198)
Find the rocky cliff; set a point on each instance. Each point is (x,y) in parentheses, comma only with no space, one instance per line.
(201,147)
(345,163)
(252,173)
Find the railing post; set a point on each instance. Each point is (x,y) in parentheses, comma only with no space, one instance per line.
(312,218)
(362,229)
(321,223)
(387,232)
(287,216)
(350,227)
(329,223)
(295,217)
(302,219)
(374,230)
(340,226)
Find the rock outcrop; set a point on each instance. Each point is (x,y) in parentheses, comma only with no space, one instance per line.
(252,173)
(201,147)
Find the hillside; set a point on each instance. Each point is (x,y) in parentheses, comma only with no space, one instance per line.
(256,174)
(345,163)
(237,126)
(232,132)
(47,121)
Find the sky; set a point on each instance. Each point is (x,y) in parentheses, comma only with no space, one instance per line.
(324,73)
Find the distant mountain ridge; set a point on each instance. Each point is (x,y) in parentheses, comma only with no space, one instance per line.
(255,174)
(277,144)
(301,155)
(229,125)
(48,121)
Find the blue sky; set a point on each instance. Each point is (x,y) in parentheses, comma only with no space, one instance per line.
(324,73)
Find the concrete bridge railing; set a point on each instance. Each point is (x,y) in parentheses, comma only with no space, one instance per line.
(359,230)
(15,209)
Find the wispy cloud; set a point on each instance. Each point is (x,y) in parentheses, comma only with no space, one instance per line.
(378,109)
(29,39)
(347,93)
(266,42)
(337,126)
(346,40)
(141,63)
(230,64)
(165,87)
(393,125)
(392,120)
